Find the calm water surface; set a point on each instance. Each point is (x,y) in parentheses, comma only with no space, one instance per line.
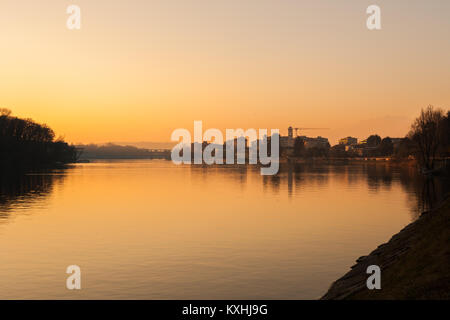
(153,230)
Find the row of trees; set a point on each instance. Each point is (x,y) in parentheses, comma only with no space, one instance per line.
(27,144)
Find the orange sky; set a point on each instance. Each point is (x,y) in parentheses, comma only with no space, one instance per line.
(137,70)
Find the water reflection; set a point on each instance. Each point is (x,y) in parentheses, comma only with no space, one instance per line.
(25,191)
(423,192)
(153,230)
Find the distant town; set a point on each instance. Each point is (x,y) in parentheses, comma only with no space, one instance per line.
(427,143)
(293,145)
(348,147)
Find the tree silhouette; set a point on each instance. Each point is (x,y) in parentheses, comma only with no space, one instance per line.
(374,140)
(426,133)
(386,147)
(27,144)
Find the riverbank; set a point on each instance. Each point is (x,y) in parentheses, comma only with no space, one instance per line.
(414,264)
(393,160)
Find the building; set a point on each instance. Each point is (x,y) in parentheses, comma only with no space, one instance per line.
(396,142)
(318,142)
(287,142)
(348,141)
(290,132)
(287,145)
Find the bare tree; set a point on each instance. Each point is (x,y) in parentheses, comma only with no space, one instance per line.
(5,112)
(426,134)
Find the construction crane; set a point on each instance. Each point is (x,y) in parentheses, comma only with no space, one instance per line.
(296,129)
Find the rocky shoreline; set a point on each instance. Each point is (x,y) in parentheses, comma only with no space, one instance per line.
(414,264)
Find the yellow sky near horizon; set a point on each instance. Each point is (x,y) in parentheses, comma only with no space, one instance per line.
(139,69)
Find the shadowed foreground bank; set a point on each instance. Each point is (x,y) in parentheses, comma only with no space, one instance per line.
(414,264)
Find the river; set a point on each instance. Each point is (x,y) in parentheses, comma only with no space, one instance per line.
(148,229)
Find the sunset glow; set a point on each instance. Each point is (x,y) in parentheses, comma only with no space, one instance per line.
(138,70)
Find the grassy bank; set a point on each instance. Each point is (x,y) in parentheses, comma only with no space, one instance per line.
(415,263)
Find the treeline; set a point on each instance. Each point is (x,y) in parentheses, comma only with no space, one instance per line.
(25,144)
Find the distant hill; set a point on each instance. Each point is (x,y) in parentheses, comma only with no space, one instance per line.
(114,151)
(147,144)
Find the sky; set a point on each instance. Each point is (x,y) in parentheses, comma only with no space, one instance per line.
(137,69)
